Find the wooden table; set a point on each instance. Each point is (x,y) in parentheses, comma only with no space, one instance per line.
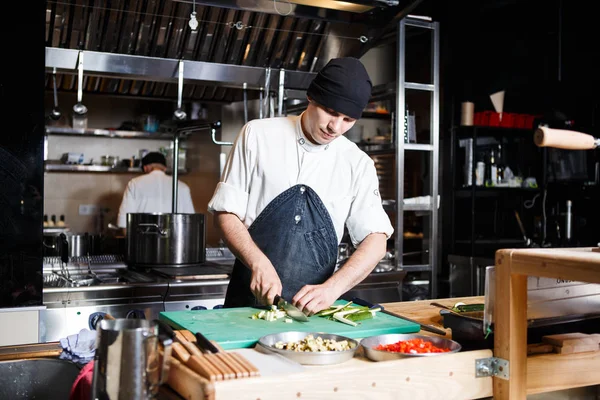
(360,378)
(548,372)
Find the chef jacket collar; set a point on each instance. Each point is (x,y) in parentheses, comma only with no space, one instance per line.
(306,144)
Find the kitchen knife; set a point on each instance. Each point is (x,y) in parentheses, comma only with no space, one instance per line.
(291,310)
(427,328)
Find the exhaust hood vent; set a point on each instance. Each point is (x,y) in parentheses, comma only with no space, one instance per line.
(237,33)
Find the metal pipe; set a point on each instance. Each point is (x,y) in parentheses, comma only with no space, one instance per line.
(569,222)
(267,90)
(245,91)
(215,141)
(175,171)
(400,110)
(180,84)
(281,92)
(260,105)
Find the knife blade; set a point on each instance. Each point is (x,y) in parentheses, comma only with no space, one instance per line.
(425,327)
(291,310)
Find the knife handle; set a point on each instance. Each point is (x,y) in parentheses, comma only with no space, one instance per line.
(277,299)
(363,302)
(165,329)
(205,344)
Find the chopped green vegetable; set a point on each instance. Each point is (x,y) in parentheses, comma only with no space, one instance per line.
(363,315)
(349,313)
(333,309)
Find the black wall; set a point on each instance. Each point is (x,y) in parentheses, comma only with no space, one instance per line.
(21,155)
(544,54)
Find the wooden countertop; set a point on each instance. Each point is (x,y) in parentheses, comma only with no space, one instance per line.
(422,311)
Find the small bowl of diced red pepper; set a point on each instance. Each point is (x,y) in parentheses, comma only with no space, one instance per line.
(394,346)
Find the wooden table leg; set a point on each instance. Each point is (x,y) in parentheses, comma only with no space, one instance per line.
(510,328)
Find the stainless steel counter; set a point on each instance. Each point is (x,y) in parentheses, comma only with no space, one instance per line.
(79,294)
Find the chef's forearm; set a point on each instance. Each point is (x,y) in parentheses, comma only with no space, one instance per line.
(360,264)
(238,239)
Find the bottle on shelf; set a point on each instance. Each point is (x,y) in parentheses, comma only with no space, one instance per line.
(493,170)
(499,166)
(45,224)
(61,222)
(52,222)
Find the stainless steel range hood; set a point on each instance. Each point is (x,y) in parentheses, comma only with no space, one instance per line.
(133,46)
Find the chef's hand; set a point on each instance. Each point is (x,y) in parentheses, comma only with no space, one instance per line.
(313,298)
(265,283)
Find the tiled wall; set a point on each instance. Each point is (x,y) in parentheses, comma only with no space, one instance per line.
(65,192)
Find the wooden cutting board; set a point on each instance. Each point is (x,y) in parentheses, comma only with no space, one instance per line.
(233,328)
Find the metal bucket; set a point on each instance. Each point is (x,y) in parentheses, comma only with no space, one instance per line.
(174,240)
(128,364)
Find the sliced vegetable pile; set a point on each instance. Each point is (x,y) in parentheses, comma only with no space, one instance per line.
(349,314)
(272,315)
(412,346)
(312,344)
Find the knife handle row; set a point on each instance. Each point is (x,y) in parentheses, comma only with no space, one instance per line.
(212,366)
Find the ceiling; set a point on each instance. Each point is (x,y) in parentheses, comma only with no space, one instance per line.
(293,35)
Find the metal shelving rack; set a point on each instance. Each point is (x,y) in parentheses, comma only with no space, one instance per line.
(432,149)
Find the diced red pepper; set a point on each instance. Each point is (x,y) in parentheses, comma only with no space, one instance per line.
(412,346)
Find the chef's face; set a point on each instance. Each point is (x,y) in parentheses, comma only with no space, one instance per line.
(322,125)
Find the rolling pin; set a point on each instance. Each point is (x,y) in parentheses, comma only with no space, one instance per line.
(564,139)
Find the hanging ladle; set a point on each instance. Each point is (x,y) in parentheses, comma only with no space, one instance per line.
(179,114)
(55,114)
(79,109)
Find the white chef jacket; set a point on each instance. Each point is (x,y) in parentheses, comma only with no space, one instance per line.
(153,193)
(271,155)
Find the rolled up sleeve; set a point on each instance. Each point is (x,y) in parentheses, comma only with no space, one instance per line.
(366,213)
(232,192)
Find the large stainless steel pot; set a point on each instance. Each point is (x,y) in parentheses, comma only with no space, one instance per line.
(175,240)
(72,244)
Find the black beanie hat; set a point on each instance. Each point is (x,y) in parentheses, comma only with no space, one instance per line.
(342,85)
(154,158)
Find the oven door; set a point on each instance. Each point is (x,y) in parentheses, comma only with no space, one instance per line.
(379,287)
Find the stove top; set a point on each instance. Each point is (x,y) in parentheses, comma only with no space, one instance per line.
(207,270)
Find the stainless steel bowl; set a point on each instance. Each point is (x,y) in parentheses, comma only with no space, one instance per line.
(309,357)
(369,344)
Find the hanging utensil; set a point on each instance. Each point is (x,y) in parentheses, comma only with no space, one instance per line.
(55,114)
(79,110)
(179,114)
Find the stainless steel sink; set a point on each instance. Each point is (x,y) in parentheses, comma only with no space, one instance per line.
(39,378)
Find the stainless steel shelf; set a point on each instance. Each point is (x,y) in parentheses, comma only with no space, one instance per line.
(427,87)
(96,168)
(418,147)
(416,268)
(66,131)
(390,205)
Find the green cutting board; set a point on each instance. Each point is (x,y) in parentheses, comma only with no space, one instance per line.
(233,328)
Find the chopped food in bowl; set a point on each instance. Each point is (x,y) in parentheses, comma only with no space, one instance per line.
(412,346)
(395,346)
(310,343)
(310,348)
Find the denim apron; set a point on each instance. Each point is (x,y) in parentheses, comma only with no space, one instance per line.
(296,233)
